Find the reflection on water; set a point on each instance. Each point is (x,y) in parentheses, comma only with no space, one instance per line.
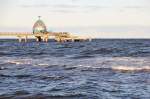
(101,69)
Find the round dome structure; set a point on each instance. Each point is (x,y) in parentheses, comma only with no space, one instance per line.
(39,27)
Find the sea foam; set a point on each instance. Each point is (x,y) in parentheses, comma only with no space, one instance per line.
(131,68)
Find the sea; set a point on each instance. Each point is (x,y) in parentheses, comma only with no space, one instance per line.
(100,69)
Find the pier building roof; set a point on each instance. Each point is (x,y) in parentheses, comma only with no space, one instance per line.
(39,26)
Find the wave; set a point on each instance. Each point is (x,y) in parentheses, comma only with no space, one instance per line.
(19,62)
(27,62)
(131,68)
(43,64)
(27,95)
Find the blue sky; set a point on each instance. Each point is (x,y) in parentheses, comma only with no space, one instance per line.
(96,18)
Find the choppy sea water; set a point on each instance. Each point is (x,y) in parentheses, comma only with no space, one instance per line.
(101,69)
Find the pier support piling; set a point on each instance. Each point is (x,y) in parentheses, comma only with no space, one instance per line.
(26,39)
(38,39)
(20,39)
(46,39)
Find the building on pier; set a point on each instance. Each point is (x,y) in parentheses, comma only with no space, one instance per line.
(39,27)
(40,30)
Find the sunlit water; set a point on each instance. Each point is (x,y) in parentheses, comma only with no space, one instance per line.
(101,69)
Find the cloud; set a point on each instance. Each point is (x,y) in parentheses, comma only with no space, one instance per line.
(77,8)
(134,7)
(66,7)
(63,11)
(35,6)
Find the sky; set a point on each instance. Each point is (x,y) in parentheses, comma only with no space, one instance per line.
(91,18)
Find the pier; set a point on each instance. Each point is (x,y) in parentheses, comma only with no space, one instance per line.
(58,36)
(40,33)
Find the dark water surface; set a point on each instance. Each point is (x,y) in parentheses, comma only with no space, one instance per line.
(101,69)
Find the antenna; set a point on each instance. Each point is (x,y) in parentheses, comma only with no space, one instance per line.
(39,17)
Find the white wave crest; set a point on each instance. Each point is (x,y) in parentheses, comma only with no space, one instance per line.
(131,68)
(43,64)
(18,62)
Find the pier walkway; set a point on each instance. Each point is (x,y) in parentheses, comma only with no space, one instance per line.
(58,36)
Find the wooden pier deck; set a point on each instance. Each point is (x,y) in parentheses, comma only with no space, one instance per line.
(58,36)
